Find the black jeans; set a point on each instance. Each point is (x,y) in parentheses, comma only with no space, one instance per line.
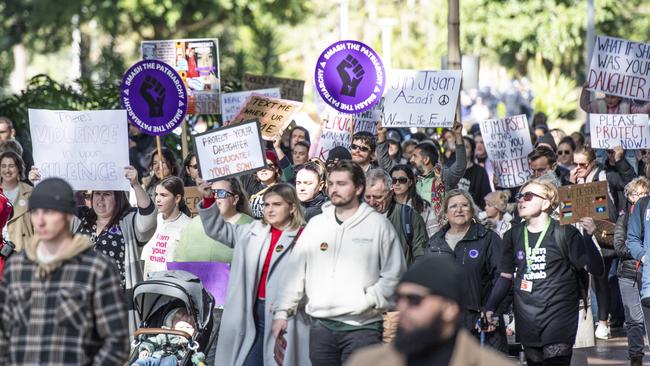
(330,348)
(600,286)
(633,316)
(549,355)
(256,354)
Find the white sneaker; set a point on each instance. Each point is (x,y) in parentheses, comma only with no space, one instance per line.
(602,331)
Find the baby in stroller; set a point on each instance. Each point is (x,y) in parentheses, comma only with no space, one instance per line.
(166,349)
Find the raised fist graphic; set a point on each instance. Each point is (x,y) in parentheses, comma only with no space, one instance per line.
(153,93)
(351,74)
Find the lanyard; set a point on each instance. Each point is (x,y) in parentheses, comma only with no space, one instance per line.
(537,244)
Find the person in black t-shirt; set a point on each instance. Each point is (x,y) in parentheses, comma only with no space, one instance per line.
(547,260)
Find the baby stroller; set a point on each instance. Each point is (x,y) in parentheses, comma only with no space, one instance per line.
(158,298)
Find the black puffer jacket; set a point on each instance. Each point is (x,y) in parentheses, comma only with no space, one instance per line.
(627,264)
(312,207)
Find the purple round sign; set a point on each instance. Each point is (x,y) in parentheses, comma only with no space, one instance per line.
(350,76)
(154,97)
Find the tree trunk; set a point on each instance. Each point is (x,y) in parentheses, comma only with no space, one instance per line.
(18,78)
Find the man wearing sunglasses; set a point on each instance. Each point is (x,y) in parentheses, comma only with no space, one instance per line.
(429,331)
(363,150)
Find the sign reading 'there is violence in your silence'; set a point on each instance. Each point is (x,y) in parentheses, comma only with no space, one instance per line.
(229,151)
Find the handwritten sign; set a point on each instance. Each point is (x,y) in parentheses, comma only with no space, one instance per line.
(231,103)
(192,198)
(421,98)
(630,131)
(508,144)
(89,149)
(337,128)
(583,200)
(273,113)
(229,151)
(197,62)
(291,89)
(620,67)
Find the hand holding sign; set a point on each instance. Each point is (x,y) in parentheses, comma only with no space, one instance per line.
(131,174)
(588,225)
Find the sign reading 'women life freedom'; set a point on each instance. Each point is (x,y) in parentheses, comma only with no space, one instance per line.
(630,131)
(350,76)
(154,97)
(421,98)
(508,144)
(620,67)
(89,149)
(229,151)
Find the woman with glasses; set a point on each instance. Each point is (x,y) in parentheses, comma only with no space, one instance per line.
(406,194)
(310,181)
(565,150)
(261,262)
(479,251)
(548,262)
(190,170)
(628,274)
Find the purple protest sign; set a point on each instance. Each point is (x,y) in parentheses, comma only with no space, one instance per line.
(350,76)
(213,275)
(154,97)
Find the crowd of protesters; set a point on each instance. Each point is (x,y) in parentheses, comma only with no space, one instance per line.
(321,252)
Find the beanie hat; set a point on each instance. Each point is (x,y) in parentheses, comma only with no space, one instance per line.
(54,194)
(340,153)
(441,275)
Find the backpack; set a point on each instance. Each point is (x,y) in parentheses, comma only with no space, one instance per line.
(560,235)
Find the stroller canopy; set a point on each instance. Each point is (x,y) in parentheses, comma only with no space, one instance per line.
(163,287)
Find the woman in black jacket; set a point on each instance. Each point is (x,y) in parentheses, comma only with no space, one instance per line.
(479,251)
(310,180)
(628,276)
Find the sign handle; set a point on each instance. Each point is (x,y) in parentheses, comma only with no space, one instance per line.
(184,145)
(160,156)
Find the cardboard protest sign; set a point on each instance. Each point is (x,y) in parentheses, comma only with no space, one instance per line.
(229,151)
(350,76)
(421,98)
(273,113)
(231,103)
(89,149)
(213,275)
(291,89)
(631,131)
(197,62)
(154,97)
(583,200)
(192,198)
(508,144)
(620,67)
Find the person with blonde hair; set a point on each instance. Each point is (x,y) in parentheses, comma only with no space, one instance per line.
(496,215)
(548,262)
(260,266)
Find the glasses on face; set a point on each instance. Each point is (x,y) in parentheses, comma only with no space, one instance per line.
(527,196)
(638,194)
(222,193)
(400,180)
(459,207)
(564,152)
(412,300)
(582,165)
(359,147)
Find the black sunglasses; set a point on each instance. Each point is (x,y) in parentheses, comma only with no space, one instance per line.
(222,193)
(359,147)
(564,152)
(412,300)
(400,180)
(527,196)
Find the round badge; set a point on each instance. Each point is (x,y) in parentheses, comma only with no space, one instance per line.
(154,97)
(520,255)
(21,202)
(350,76)
(323,246)
(473,253)
(279,248)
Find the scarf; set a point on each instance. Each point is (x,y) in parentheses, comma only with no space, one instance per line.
(437,194)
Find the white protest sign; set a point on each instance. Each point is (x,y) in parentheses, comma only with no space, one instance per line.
(231,103)
(508,144)
(630,131)
(620,67)
(335,131)
(229,151)
(89,149)
(421,98)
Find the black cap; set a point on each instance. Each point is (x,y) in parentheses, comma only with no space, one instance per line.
(547,139)
(54,194)
(340,153)
(441,275)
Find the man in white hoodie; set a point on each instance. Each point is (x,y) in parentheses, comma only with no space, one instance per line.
(348,261)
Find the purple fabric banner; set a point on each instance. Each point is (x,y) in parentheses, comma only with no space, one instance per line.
(213,275)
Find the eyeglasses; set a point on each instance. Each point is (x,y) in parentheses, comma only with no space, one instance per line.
(564,152)
(582,165)
(222,193)
(400,180)
(458,207)
(527,196)
(638,194)
(412,300)
(194,166)
(359,147)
